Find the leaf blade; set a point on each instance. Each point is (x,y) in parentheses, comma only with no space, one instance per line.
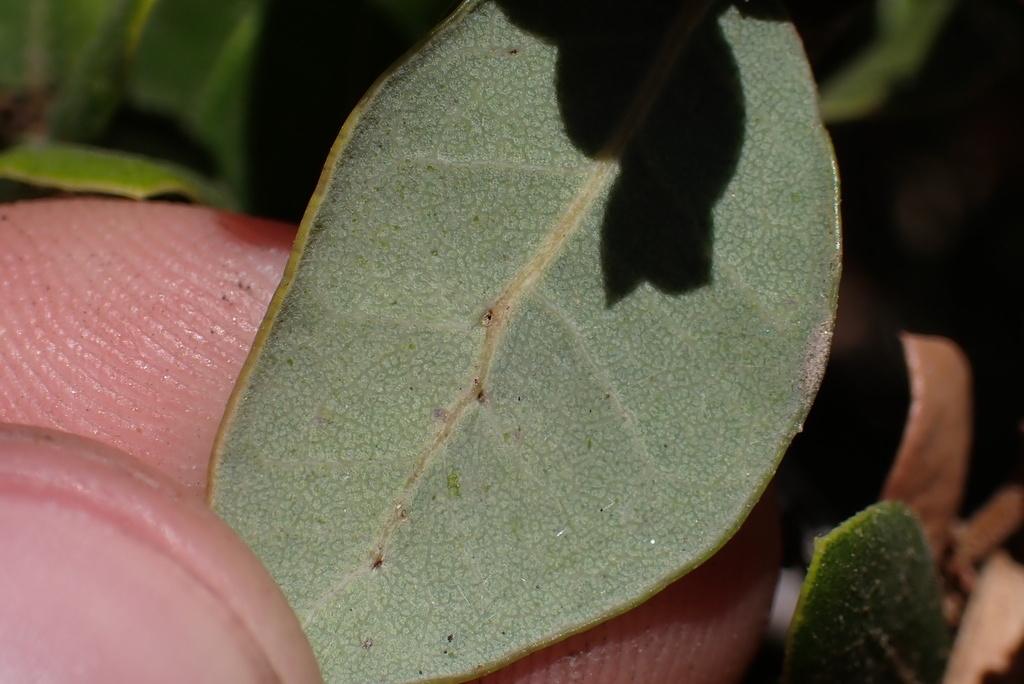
(80,168)
(870,609)
(97,79)
(195,65)
(907,30)
(433,230)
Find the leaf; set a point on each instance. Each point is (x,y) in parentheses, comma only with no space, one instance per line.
(930,468)
(195,65)
(562,298)
(95,83)
(40,41)
(79,168)
(870,609)
(905,33)
(988,528)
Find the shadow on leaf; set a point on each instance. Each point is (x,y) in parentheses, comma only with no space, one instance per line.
(658,222)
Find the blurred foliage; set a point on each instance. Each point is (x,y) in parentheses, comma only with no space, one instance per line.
(933,244)
(905,33)
(194,67)
(94,84)
(41,41)
(248,92)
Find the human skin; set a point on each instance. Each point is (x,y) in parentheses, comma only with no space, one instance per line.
(127,324)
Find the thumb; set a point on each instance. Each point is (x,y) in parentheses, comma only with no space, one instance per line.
(111,574)
(128,322)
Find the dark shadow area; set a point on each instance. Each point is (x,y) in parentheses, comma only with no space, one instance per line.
(931,244)
(972,54)
(21,112)
(837,465)
(931,188)
(770,10)
(154,135)
(657,225)
(316,60)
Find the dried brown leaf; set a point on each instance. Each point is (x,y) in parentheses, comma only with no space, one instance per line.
(991,525)
(931,465)
(992,630)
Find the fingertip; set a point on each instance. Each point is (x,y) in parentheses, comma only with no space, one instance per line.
(123,614)
(111,575)
(133,320)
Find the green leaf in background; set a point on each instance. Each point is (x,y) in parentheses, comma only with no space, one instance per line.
(94,84)
(195,66)
(78,168)
(40,42)
(870,610)
(254,80)
(562,298)
(906,31)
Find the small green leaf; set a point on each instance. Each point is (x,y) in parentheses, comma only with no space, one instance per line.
(870,609)
(559,303)
(78,168)
(95,83)
(906,31)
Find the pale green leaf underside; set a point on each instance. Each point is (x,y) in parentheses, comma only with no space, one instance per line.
(80,168)
(870,609)
(518,381)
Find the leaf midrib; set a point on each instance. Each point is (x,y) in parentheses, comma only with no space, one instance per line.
(498,317)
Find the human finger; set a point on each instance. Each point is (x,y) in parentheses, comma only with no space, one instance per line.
(128,322)
(112,573)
